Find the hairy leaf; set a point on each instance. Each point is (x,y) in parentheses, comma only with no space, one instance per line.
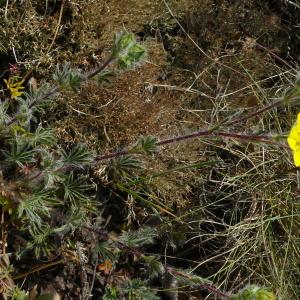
(141,237)
(19,153)
(66,77)
(37,206)
(127,50)
(155,266)
(78,157)
(104,77)
(43,136)
(74,189)
(145,145)
(136,289)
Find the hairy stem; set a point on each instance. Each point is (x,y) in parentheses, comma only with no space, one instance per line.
(55,89)
(197,134)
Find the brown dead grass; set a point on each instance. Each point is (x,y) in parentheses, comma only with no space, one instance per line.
(112,117)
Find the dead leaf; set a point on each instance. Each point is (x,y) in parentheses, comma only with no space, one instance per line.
(106,267)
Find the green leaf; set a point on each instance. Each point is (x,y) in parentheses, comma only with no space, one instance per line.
(66,77)
(111,293)
(186,277)
(136,290)
(146,145)
(253,293)
(126,50)
(37,206)
(41,98)
(74,189)
(141,237)
(19,154)
(77,214)
(104,250)
(78,157)
(43,136)
(18,294)
(155,266)
(40,240)
(4,116)
(24,113)
(104,77)
(124,166)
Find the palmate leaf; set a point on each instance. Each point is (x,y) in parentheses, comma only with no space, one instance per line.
(253,293)
(155,266)
(136,289)
(111,293)
(4,116)
(140,237)
(78,157)
(49,167)
(146,145)
(36,206)
(41,98)
(17,293)
(127,163)
(40,240)
(104,251)
(124,166)
(25,113)
(20,153)
(74,189)
(68,77)
(104,77)
(186,277)
(43,136)
(75,217)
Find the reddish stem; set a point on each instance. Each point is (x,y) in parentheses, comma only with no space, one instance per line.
(215,290)
(201,133)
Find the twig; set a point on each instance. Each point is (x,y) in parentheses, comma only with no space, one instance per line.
(57,26)
(294,4)
(6,9)
(43,267)
(93,281)
(15,55)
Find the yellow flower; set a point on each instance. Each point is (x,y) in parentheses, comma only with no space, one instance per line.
(294,141)
(14,86)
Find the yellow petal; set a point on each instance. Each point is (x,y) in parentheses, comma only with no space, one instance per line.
(294,138)
(297,158)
